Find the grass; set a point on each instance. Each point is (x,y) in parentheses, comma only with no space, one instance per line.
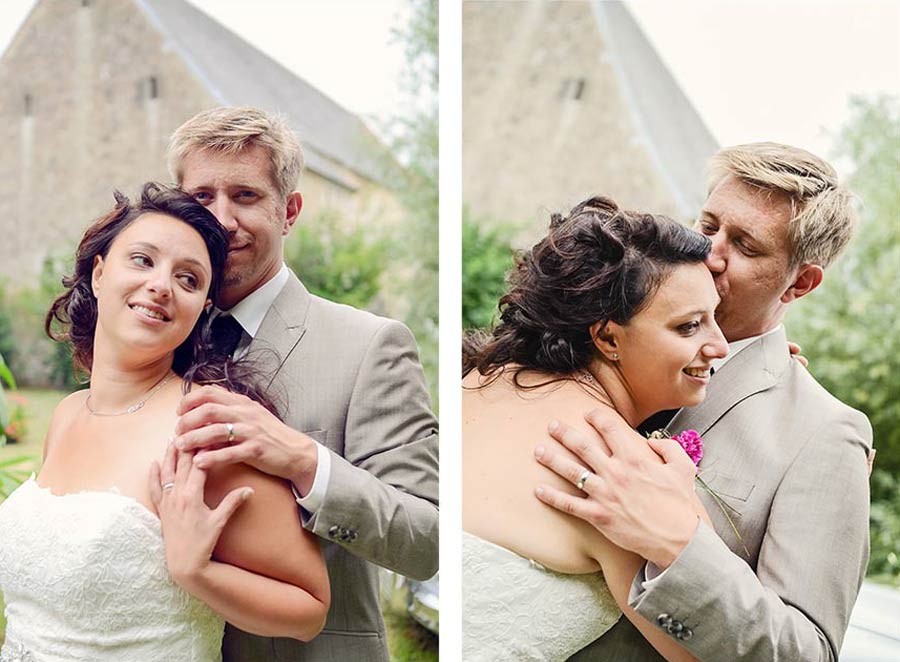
(408,642)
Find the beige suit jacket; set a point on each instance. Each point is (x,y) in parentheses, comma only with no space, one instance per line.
(352,381)
(790,459)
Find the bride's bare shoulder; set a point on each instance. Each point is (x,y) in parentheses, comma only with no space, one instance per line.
(63,415)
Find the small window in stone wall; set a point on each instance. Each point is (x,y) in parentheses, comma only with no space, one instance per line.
(29,106)
(85,3)
(147,88)
(573,88)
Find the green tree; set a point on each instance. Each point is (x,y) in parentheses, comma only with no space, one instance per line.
(337,262)
(415,142)
(487,257)
(850,326)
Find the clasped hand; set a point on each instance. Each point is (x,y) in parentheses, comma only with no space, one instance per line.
(640,492)
(227,428)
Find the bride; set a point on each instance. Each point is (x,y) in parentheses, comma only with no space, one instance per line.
(611,308)
(96,561)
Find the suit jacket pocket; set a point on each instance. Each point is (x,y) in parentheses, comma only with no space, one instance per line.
(729,486)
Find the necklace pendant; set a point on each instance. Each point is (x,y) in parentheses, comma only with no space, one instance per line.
(134,408)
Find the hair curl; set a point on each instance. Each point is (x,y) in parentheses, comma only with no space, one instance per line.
(599,263)
(73,314)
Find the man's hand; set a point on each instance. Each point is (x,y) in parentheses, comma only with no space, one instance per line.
(640,493)
(226,428)
(795,350)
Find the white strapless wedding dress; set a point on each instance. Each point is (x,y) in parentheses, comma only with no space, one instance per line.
(84,578)
(516,610)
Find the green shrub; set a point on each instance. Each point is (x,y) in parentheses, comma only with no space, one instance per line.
(337,262)
(487,257)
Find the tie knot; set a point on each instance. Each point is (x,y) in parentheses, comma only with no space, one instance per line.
(225,334)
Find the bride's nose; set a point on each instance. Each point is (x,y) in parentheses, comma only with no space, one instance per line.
(160,283)
(716,347)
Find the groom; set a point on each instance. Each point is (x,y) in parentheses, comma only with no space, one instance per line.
(787,459)
(359,441)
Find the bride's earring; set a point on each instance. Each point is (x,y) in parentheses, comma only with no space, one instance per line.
(615,356)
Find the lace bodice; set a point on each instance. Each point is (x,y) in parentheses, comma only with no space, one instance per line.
(516,610)
(84,577)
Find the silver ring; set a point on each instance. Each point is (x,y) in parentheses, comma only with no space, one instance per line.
(230,428)
(581,479)
(168,486)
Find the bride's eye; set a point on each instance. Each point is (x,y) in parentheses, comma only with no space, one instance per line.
(141,260)
(688,328)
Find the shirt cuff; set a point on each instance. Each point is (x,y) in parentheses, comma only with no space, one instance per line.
(313,501)
(652,573)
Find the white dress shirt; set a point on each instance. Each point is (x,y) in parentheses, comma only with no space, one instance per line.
(249,313)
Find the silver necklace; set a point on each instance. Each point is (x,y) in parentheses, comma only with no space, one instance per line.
(133,408)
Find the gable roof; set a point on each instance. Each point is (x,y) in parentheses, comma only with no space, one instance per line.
(672,130)
(238,74)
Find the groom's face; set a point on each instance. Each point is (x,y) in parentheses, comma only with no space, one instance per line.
(242,194)
(750,256)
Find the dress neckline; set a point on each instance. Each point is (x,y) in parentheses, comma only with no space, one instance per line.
(111,492)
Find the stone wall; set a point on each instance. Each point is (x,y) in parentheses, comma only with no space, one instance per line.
(545,123)
(89,94)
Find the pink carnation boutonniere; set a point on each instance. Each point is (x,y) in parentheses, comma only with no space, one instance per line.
(692,443)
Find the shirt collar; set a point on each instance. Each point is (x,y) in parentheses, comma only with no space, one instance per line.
(251,310)
(737,346)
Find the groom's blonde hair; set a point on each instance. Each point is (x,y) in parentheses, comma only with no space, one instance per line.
(823,217)
(231,130)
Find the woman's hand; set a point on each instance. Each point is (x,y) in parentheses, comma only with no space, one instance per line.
(190,528)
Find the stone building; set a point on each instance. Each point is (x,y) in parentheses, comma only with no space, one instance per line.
(562,100)
(91,90)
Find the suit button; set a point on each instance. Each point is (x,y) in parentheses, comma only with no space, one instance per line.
(677,627)
(686,634)
(663,620)
(352,534)
(332,532)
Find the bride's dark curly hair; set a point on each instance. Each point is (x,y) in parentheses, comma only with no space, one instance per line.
(600,263)
(73,314)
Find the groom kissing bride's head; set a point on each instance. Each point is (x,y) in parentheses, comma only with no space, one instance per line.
(611,308)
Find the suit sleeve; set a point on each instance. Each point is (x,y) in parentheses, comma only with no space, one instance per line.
(382,495)
(811,564)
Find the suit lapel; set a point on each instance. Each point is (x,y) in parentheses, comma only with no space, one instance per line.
(284,325)
(756,368)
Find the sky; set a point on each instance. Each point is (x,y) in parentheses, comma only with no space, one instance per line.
(343,47)
(779,70)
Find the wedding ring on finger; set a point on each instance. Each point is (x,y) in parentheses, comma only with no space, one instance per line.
(582,479)
(168,486)
(230,428)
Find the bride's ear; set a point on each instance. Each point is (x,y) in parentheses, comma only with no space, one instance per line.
(96,273)
(604,335)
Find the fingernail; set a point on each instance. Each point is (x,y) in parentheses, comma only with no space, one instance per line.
(180,445)
(171,440)
(554,426)
(247,494)
(539,491)
(539,452)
